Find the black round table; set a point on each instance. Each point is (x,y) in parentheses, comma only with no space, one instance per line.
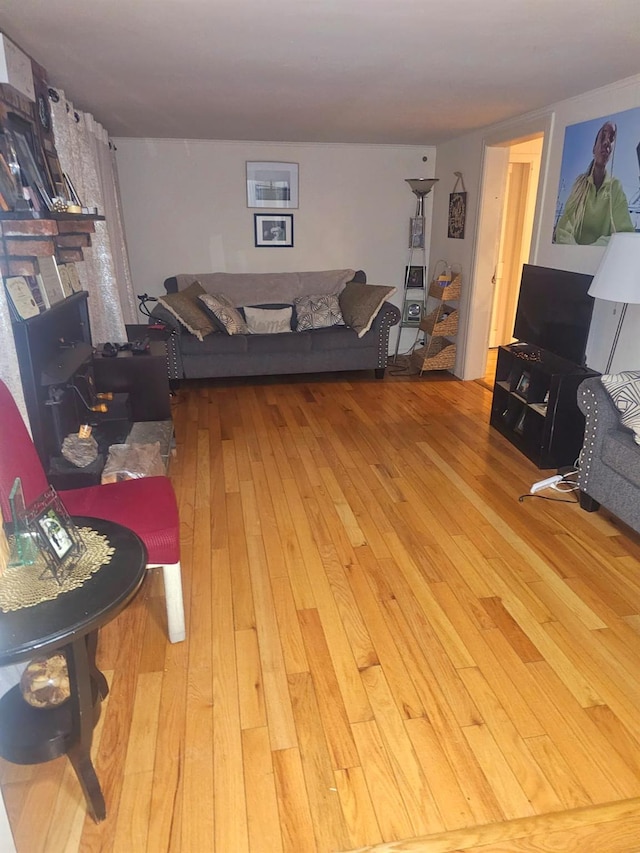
(70,622)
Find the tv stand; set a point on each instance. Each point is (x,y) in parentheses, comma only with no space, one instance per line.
(534,404)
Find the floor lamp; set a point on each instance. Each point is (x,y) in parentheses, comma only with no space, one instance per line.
(617,279)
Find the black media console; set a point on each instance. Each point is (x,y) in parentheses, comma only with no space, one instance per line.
(534,404)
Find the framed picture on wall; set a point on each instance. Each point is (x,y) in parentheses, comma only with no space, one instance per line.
(273,229)
(272,184)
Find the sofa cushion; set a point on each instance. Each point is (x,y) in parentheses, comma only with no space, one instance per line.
(317,312)
(221,307)
(268,321)
(360,304)
(624,390)
(336,338)
(261,288)
(300,342)
(186,308)
(213,345)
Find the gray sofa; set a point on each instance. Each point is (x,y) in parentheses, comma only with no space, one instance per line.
(219,354)
(609,467)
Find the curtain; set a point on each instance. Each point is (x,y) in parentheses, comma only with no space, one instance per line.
(88,158)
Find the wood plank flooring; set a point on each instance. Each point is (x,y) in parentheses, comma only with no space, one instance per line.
(386,650)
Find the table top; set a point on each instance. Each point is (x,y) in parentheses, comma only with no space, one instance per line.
(51,624)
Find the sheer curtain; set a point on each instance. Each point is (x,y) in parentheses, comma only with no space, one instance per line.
(88,158)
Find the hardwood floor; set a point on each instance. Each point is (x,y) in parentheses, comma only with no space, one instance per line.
(386,650)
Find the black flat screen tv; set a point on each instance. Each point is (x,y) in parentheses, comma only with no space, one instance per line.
(554,311)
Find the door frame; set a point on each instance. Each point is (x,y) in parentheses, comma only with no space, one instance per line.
(494,166)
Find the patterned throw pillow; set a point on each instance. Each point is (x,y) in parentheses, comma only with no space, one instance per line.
(317,312)
(222,308)
(184,306)
(624,390)
(268,321)
(360,304)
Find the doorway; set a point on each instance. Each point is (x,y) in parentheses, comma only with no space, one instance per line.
(496,156)
(521,166)
(514,248)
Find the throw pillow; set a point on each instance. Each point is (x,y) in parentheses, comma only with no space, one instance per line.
(268,321)
(184,306)
(360,304)
(221,307)
(624,390)
(317,312)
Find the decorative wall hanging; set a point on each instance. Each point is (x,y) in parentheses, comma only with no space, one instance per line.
(272,184)
(457,209)
(599,193)
(273,229)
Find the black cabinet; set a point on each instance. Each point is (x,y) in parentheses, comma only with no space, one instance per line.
(534,404)
(144,377)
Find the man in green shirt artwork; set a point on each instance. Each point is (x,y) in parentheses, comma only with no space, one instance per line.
(597,206)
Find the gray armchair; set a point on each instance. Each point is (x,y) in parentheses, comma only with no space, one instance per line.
(609,466)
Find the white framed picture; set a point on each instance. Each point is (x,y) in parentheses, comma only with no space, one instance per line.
(272,184)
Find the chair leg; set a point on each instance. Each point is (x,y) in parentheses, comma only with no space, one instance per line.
(175,608)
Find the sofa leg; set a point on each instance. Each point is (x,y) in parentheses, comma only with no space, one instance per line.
(379,371)
(587,503)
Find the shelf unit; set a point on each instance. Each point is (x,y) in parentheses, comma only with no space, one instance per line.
(534,404)
(440,326)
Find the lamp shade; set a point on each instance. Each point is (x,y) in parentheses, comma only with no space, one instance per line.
(617,279)
(421,186)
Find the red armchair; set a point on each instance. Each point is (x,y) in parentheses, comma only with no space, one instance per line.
(147,505)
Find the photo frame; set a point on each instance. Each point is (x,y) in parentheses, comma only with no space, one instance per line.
(523,384)
(21,298)
(272,184)
(33,175)
(57,536)
(414,276)
(519,426)
(273,230)
(416,232)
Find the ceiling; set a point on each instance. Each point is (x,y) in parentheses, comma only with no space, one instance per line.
(369,71)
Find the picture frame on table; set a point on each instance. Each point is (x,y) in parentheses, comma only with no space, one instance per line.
(414,276)
(273,230)
(272,184)
(21,298)
(519,425)
(35,178)
(9,190)
(58,538)
(523,384)
(51,280)
(416,232)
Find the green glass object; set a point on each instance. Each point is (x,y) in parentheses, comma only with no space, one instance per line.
(24,549)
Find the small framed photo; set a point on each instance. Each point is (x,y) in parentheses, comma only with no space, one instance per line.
(523,384)
(519,427)
(414,276)
(57,536)
(273,229)
(272,184)
(416,232)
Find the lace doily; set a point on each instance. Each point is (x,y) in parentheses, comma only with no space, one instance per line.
(26,586)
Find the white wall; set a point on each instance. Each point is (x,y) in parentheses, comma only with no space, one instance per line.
(467,154)
(184,205)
